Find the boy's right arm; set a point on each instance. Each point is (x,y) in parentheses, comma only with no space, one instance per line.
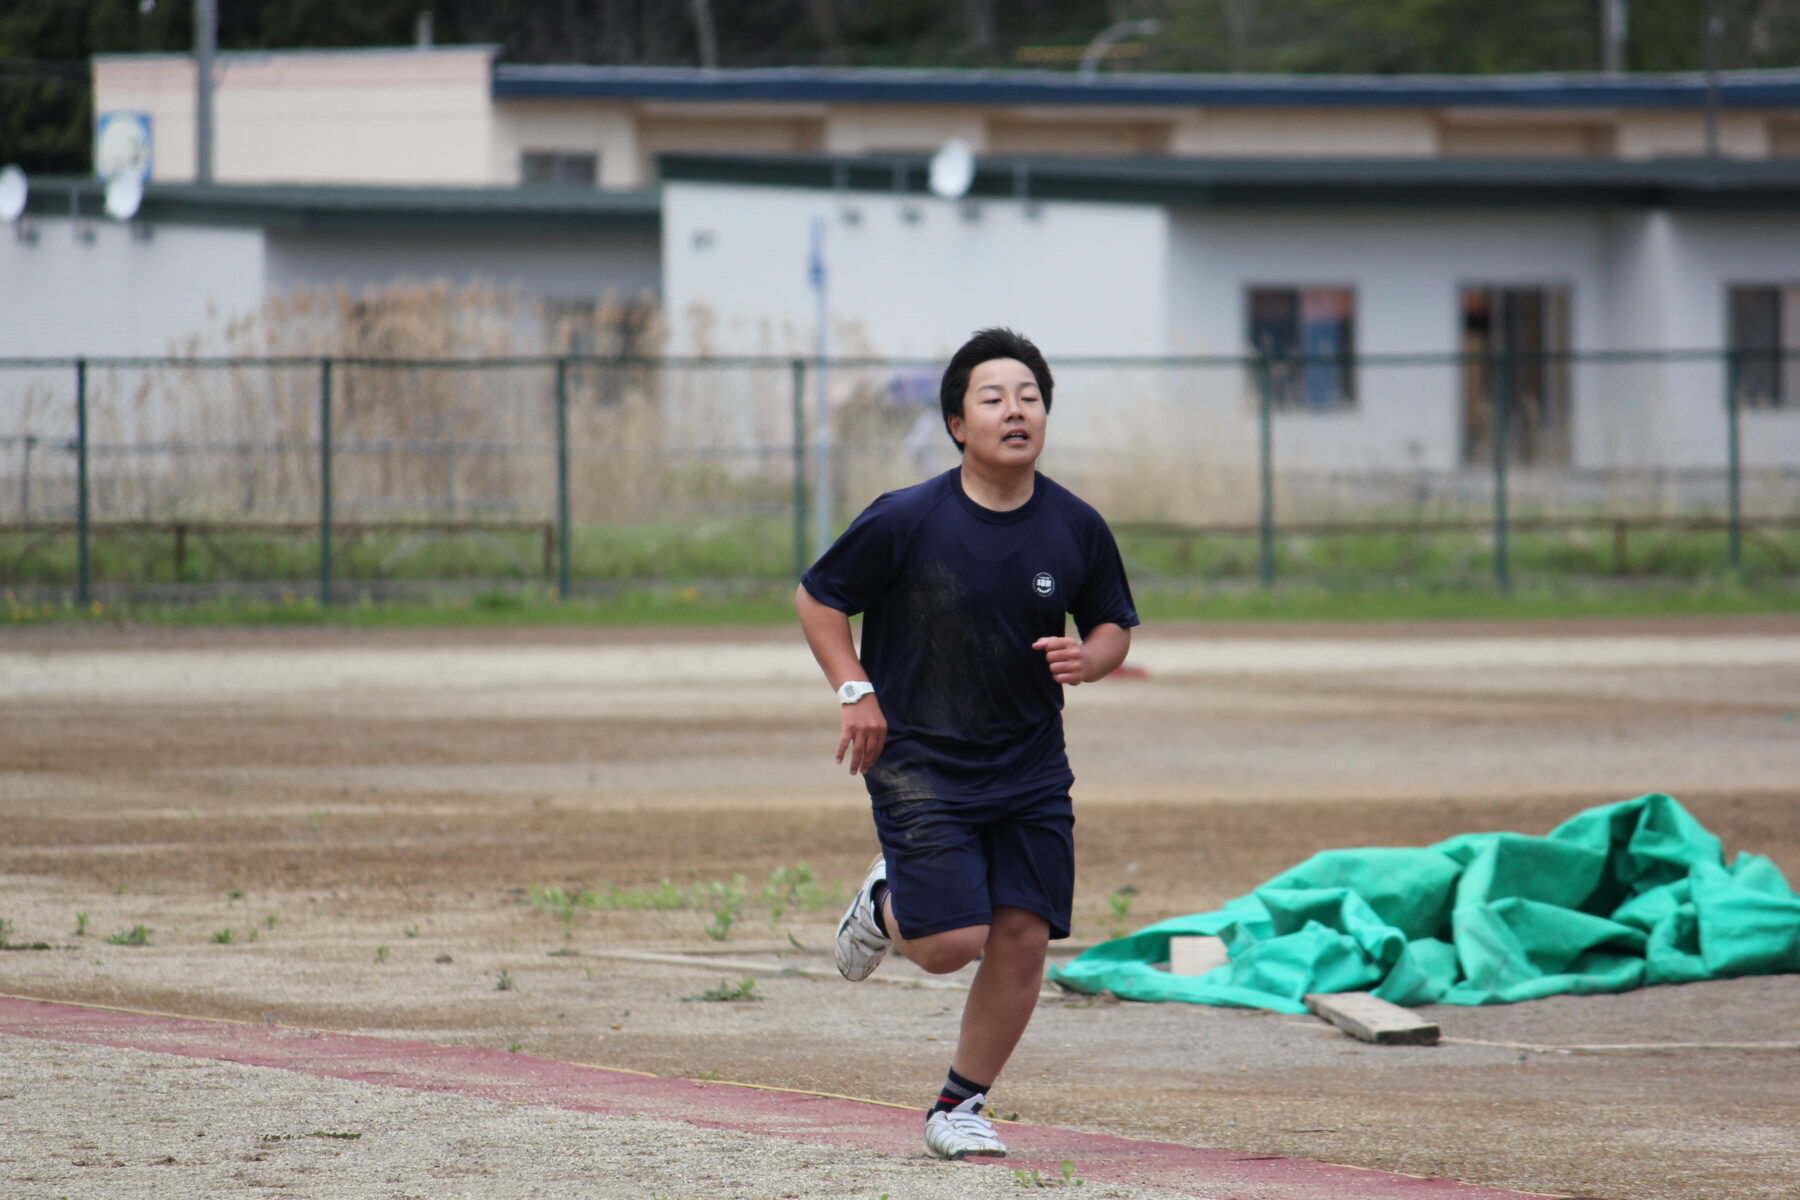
(863,729)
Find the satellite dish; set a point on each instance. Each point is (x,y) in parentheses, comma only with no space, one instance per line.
(123,195)
(953,169)
(12,193)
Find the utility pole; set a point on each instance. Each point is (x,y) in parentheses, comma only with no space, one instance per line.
(1613,34)
(206,46)
(1715,25)
(705,34)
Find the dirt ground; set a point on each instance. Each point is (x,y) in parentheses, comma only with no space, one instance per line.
(340,829)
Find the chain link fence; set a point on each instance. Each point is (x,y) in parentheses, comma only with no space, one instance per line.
(158,479)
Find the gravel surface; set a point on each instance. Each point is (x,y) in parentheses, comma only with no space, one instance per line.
(180,1128)
(365,813)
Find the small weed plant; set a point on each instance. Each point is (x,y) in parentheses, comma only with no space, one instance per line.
(1035,1179)
(724,901)
(1120,902)
(81,924)
(503,982)
(222,937)
(728,993)
(792,887)
(787,890)
(137,935)
(381,954)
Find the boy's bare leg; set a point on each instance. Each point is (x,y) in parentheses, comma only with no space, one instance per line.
(938,953)
(1005,991)
(1004,994)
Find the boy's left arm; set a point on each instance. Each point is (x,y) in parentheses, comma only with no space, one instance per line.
(1073,660)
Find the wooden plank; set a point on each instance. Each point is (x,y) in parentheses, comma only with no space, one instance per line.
(1372,1019)
(1195,955)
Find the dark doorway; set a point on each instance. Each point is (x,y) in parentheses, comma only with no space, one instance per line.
(1527,327)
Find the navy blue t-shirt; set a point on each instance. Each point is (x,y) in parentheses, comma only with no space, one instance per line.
(953,596)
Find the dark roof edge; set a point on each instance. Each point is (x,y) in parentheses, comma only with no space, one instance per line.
(1409,183)
(314,208)
(1737,89)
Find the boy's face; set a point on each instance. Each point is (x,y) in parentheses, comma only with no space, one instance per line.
(1002,422)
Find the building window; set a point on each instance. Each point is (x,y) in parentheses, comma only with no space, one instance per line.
(1309,334)
(1765,337)
(558,168)
(1515,343)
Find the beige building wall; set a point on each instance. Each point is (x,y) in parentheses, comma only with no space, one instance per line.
(362,116)
(608,131)
(1544,133)
(1281,133)
(864,129)
(1079,131)
(410,116)
(1683,135)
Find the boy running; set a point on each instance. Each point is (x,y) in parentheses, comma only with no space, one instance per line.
(953,712)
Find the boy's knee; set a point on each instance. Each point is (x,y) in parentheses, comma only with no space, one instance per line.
(1019,937)
(952,950)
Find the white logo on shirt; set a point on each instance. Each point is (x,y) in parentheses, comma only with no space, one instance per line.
(1044,584)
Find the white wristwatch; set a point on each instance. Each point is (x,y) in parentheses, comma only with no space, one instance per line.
(855,690)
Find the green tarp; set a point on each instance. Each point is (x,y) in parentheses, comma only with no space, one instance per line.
(1618,897)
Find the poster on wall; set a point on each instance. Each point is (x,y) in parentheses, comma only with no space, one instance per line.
(122,145)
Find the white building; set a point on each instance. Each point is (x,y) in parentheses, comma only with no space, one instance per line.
(1382,271)
(196,259)
(1546,219)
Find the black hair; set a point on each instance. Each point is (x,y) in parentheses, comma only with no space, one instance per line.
(985,346)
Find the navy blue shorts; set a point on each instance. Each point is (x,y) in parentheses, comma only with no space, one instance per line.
(950,862)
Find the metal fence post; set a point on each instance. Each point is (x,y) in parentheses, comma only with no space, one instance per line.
(84,574)
(799,395)
(324,482)
(564,532)
(1266,465)
(1502,386)
(1733,465)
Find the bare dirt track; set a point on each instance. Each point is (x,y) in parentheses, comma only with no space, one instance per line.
(364,813)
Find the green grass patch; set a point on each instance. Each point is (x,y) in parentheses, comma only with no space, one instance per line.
(1292,599)
(1528,600)
(728,993)
(788,889)
(737,570)
(530,606)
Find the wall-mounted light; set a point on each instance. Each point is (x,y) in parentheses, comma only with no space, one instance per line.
(13,193)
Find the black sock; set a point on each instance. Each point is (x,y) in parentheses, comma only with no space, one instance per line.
(876,894)
(956,1090)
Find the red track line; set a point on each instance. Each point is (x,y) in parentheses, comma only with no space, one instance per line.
(795,1116)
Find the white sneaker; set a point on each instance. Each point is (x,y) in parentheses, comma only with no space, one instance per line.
(861,944)
(963,1131)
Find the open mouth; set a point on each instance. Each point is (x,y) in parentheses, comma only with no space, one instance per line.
(1017,437)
